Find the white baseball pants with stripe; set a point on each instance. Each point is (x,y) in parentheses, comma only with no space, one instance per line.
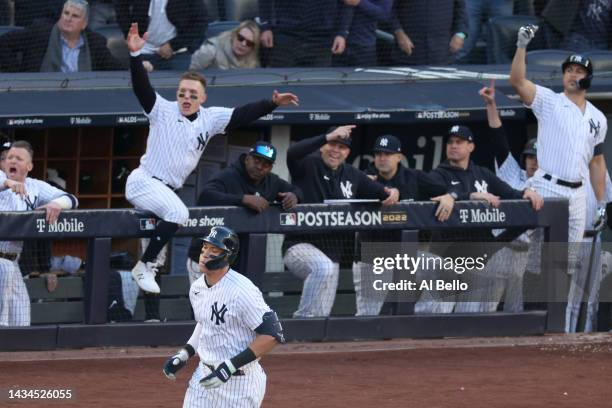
(320,275)
(369,301)
(14,298)
(246,391)
(147,193)
(503,273)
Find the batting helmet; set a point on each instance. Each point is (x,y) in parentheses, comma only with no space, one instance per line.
(225,239)
(584,62)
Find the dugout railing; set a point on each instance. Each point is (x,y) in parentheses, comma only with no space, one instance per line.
(99,227)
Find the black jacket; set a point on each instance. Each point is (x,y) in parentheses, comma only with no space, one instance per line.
(318,183)
(229,186)
(31,43)
(412,184)
(306,18)
(474,179)
(430,26)
(189,17)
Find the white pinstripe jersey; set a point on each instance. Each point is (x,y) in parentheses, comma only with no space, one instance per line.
(229,312)
(566,136)
(175,143)
(39,193)
(511,173)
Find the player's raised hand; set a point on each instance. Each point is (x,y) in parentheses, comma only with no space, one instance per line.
(176,362)
(525,35)
(340,133)
(282,99)
(134,41)
(488,93)
(219,376)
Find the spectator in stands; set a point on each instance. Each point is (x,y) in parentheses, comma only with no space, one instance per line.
(428,33)
(304,33)
(476,11)
(237,48)
(578,25)
(361,41)
(248,182)
(175,29)
(22,193)
(317,166)
(65,46)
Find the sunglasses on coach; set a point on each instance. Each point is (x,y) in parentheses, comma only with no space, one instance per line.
(245,41)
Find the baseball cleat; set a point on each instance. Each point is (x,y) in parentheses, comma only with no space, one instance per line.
(144,275)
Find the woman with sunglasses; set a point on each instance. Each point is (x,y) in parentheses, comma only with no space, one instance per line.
(237,48)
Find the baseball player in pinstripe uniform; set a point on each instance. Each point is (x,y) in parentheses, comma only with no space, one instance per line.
(571,132)
(178,134)
(235,327)
(23,194)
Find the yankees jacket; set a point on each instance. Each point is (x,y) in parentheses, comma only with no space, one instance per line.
(318,183)
(474,179)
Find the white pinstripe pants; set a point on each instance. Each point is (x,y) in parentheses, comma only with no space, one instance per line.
(147,193)
(245,391)
(368,300)
(320,276)
(14,298)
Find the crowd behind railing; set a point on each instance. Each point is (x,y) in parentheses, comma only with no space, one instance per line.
(72,36)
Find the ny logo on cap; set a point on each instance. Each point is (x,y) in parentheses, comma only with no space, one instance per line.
(384,142)
(580,60)
(455,129)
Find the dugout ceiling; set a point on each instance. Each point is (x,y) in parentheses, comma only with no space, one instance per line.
(327,96)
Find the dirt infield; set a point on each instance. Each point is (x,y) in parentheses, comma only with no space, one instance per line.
(548,371)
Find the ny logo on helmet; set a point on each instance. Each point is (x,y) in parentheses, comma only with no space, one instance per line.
(213,233)
(218,314)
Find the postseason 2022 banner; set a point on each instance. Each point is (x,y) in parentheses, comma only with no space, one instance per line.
(305,218)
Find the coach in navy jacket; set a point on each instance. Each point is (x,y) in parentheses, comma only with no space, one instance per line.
(472,182)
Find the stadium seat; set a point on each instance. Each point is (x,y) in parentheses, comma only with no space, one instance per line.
(115,41)
(602,60)
(547,58)
(240,10)
(502,37)
(212,10)
(218,27)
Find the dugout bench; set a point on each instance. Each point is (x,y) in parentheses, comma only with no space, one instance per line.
(86,303)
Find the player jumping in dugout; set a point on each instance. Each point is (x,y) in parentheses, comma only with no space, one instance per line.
(178,134)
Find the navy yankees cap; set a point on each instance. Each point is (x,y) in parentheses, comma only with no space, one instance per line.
(264,150)
(388,144)
(462,132)
(346,142)
(531,147)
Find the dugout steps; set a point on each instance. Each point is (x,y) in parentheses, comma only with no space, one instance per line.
(282,292)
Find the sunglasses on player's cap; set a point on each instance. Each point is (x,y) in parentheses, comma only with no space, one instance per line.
(264,150)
